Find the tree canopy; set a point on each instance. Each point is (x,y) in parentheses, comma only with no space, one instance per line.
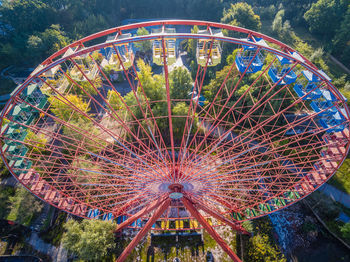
(90,239)
(241,14)
(324,16)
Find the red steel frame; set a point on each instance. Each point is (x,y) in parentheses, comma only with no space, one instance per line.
(240,161)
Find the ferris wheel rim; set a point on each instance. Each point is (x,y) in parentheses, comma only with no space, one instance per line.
(145,38)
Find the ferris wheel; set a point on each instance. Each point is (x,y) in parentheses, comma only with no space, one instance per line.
(193,125)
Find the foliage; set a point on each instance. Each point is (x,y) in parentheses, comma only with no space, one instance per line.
(48,42)
(87,137)
(283,29)
(241,14)
(153,85)
(63,110)
(82,86)
(37,142)
(341,178)
(90,239)
(4,172)
(341,44)
(180,109)
(262,250)
(180,83)
(345,230)
(324,16)
(146,45)
(192,45)
(248,225)
(54,234)
(5,194)
(26,15)
(92,24)
(115,100)
(24,207)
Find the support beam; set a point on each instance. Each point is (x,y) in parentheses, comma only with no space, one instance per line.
(194,212)
(148,209)
(234,226)
(143,231)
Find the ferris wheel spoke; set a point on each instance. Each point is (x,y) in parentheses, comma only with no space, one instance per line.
(295,123)
(125,148)
(200,76)
(133,89)
(231,94)
(113,116)
(61,140)
(247,114)
(77,129)
(240,146)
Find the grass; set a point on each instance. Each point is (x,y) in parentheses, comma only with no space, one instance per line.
(341,179)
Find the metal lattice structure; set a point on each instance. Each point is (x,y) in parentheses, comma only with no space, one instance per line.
(85,134)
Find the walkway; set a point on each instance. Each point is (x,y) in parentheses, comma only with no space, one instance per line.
(57,254)
(336,194)
(9,181)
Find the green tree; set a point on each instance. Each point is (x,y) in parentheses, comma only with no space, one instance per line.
(87,131)
(91,24)
(64,111)
(283,29)
(37,142)
(345,230)
(179,118)
(180,83)
(24,206)
(146,45)
(341,41)
(84,85)
(26,16)
(153,85)
(115,100)
(241,14)
(5,194)
(325,16)
(261,250)
(91,240)
(4,172)
(191,46)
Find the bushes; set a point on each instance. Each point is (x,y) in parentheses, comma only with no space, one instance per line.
(24,207)
(90,239)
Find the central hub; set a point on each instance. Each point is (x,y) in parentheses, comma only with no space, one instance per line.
(176,191)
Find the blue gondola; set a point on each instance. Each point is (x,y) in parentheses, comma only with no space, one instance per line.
(244,57)
(301,91)
(319,106)
(307,83)
(108,217)
(93,213)
(333,122)
(328,95)
(278,71)
(119,220)
(201,99)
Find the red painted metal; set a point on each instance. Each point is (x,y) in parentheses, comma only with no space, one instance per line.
(143,231)
(210,230)
(145,211)
(232,158)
